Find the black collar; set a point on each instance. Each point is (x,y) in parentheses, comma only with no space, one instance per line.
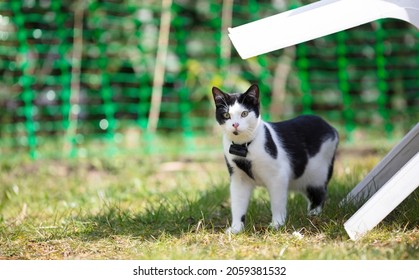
(239,149)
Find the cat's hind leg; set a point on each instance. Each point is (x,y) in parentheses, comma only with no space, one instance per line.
(316,197)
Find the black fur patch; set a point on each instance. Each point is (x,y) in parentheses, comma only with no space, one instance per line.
(244,165)
(270,146)
(229,167)
(302,138)
(330,171)
(250,100)
(316,195)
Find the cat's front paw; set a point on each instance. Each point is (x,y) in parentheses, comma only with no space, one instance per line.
(235,229)
(275,224)
(315,211)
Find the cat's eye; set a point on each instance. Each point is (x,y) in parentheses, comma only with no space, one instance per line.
(226,115)
(245,113)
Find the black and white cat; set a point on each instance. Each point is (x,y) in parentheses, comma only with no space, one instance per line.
(296,154)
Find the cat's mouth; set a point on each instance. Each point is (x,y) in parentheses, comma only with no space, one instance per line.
(235,132)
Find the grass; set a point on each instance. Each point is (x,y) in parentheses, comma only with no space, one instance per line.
(127,207)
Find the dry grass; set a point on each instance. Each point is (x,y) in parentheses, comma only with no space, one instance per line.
(167,208)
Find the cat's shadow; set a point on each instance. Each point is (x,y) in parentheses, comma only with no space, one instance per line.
(210,212)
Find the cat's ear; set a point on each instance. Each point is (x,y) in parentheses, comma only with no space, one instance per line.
(253,94)
(219,96)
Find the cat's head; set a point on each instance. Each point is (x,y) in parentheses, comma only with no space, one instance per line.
(238,113)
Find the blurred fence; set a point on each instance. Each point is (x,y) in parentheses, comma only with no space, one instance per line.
(75,71)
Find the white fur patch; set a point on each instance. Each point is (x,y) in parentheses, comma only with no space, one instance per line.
(246,125)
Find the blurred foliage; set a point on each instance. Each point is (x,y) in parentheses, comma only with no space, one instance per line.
(366,77)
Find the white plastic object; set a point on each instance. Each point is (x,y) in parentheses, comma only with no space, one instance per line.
(403,183)
(316,20)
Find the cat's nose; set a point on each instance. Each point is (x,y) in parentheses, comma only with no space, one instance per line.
(235,125)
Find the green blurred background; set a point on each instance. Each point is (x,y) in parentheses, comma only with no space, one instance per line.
(82,77)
